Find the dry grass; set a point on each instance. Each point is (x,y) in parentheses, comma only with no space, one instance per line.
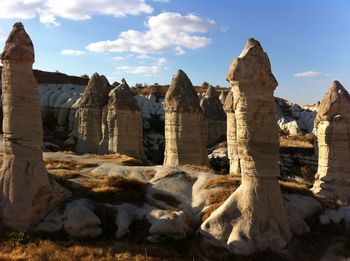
(295,188)
(122,159)
(55,251)
(225,181)
(113,190)
(210,210)
(305,141)
(66,164)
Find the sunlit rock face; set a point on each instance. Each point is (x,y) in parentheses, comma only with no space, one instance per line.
(88,117)
(27,194)
(124,123)
(185,132)
(332,128)
(231,134)
(214,116)
(254,217)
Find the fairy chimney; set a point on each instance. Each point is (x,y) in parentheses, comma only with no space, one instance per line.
(254,217)
(27,193)
(332,128)
(124,122)
(185,133)
(89,114)
(214,116)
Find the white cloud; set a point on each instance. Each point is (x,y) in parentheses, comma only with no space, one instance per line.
(144,70)
(72,52)
(49,10)
(119,58)
(143,56)
(166,32)
(307,74)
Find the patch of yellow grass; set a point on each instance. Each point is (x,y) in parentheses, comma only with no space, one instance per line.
(48,250)
(66,164)
(224,181)
(122,159)
(305,141)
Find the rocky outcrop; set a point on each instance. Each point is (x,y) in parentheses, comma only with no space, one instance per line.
(332,128)
(27,194)
(185,135)
(254,217)
(231,134)
(89,114)
(124,122)
(214,116)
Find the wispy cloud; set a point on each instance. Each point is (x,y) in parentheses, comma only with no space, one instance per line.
(144,70)
(49,10)
(165,32)
(3,36)
(72,52)
(307,74)
(119,58)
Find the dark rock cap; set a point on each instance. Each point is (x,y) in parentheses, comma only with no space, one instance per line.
(211,105)
(181,95)
(252,66)
(122,98)
(335,102)
(96,92)
(18,46)
(229,105)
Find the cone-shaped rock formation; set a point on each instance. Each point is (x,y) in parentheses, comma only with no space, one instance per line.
(185,134)
(332,128)
(27,194)
(89,114)
(255,216)
(124,122)
(214,115)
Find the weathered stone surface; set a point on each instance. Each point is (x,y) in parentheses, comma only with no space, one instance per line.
(222,97)
(185,134)
(27,194)
(214,115)
(77,218)
(231,134)
(254,217)
(124,122)
(332,128)
(89,114)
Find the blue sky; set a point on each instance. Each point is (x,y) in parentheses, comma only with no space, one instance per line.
(146,41)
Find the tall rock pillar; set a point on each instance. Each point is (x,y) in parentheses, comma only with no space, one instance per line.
(89,114)
(214,116)
(231,134)
(254,217)
(26,193)
(124,122)
(332,128)
(185,133)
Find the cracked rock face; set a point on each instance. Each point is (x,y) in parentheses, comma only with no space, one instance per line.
(214,115)
(88,129)
(185,133)
(124,123)
(254,217)
(332,128)
(27,194)
(231,134)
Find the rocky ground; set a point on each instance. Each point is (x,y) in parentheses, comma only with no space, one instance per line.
(125,209)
